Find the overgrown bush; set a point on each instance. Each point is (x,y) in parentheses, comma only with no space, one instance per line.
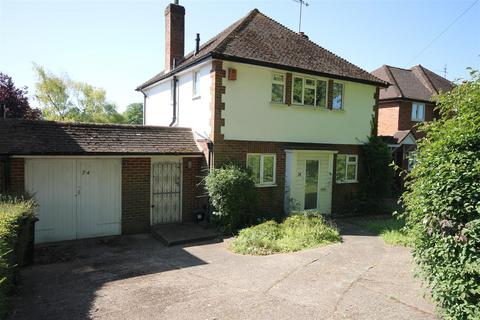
(299,231)
(13,212)
(442,203)
(232,193)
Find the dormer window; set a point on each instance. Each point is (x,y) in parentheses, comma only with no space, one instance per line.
(418,111)
(278,88)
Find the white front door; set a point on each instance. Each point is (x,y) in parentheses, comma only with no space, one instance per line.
(166,192)
(77,198)
(308,180)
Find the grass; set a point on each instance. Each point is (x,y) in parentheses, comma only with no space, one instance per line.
(391,230)
(299,231)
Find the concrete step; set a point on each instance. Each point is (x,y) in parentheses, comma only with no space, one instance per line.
(180,233)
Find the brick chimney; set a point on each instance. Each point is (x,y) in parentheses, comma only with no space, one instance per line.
(174,34)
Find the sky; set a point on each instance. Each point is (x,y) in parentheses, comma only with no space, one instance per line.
(119,44)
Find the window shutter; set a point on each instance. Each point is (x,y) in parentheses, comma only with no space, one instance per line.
(288,89)
(330,94)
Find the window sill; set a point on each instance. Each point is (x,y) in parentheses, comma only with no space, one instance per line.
(338,110)
(196,98)
(417,120)
(269,185)
(297,106)
(346,182)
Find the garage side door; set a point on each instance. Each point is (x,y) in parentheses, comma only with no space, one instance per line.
(98,198)
(52,182)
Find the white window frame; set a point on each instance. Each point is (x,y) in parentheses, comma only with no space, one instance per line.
(283,83)
(195,82)
(347,162)
(262,161)
(415,117)
(314,87)
(342,107)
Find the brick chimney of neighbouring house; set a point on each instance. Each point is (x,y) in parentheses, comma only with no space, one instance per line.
(174,34)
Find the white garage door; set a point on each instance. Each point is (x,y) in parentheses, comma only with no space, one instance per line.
(77,198)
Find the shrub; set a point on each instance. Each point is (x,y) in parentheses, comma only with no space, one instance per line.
(297,232)
(13,212)
(442,203)
(233,195)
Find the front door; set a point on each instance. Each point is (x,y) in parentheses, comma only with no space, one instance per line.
(166,192)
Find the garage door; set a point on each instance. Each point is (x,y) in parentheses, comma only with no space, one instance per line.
(77,198)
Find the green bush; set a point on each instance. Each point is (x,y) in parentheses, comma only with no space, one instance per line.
(442,203)
(232,194)
(13,212)
(297,232)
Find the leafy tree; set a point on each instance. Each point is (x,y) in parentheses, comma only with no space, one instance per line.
(14,101)
(67,100)
(442,203)
(134,113)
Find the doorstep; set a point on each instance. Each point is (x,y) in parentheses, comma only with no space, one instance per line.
(182,233)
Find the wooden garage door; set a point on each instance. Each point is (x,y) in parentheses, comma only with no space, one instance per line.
(77,198)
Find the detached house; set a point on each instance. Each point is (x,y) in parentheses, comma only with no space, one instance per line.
(268,98)
(407,102)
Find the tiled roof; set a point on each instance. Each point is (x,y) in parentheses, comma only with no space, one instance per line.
(29,137)
(398,137)
(258,39)
(417,83)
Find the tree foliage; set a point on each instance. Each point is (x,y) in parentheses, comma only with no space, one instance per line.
(14,101)
(66,100)
(442,203)
(134,113)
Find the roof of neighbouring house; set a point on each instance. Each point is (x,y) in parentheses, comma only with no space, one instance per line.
(416,83)
(399,137)
(258,39)
(34,137)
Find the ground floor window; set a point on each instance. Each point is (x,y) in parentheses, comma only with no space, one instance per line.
(262,167)
(347,168)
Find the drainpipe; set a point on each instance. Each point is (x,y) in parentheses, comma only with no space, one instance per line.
(174,117)
(144,105)
(210,153)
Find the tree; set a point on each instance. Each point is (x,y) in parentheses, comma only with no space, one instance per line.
(134,113)
(14,101)
(442,203)
(67,100)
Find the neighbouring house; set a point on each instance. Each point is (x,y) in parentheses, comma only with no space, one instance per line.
(407,102)
(264,96)
(92,180)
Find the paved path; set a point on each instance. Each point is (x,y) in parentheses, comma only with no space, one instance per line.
(138,278)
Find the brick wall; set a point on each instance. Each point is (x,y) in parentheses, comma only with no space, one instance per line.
(272,198)
(193,193)
(2,175)
(388,118)
(17,175)
(135,195)
(174,34)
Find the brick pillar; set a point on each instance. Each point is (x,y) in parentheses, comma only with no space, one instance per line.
(288,88)
(17,175)
(218,89)
(135,195)
(330,94)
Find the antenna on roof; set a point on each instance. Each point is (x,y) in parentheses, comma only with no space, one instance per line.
(302,3)
(445,71)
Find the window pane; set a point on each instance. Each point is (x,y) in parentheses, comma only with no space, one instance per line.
(321,93)
(351,172)
(311,184)
(268,167)
(278,78)
(253,163)
(309,97)
(421,112)
(337,102)
(352,159)
(414,111)
(341,167)
(297,90)
(309,83)
(277,92)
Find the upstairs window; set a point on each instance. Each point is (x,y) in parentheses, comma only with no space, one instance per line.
(278,88)
(196,84)
(262,167)
(347,167)
(337,103)
(309,92)
(418,111)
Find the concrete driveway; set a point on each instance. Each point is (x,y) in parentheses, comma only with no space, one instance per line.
(138,278)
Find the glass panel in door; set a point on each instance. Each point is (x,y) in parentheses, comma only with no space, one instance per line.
(311,184)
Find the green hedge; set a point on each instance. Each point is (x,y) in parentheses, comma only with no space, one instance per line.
(14,212)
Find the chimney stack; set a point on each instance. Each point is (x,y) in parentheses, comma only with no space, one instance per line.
(174,34)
